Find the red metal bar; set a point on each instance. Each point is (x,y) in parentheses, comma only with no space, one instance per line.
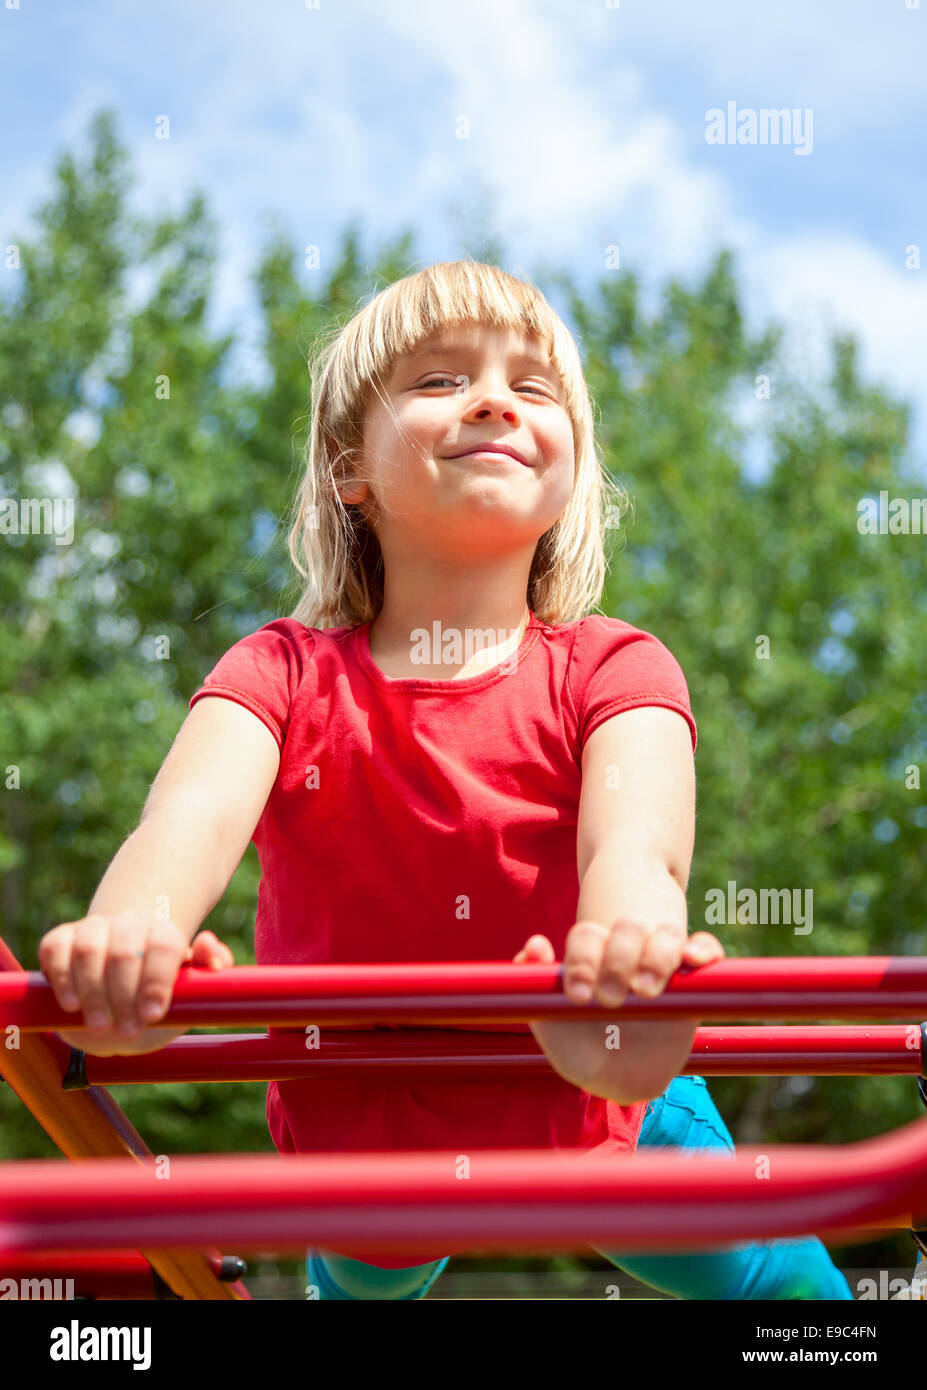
(892,1050)
(822,1050)
(89,1124)
(496,992)
(516,1200)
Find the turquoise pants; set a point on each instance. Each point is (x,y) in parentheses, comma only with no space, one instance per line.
(683,1117)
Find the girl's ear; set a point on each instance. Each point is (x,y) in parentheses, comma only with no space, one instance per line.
(350,488)
(353,491)
(358,493)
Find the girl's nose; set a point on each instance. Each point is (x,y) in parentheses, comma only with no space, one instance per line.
(504,412)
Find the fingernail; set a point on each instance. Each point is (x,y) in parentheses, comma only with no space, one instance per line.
(97,1018)
(581,991)
(644,981)
(610,994)
(150,1011)
(69,1000)
(128,1030)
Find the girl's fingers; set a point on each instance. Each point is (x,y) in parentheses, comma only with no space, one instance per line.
(88,956)
(123,970)
(608,961)
(582,955)
(120,971)
(598,961)
(621,956)
(55,962)
(209,951)
(536,948)
(659,957)
(701,948)
(164,954)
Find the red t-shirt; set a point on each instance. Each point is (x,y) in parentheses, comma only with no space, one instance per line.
(432,820)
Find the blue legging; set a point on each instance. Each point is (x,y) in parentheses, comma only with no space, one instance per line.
(685,1117)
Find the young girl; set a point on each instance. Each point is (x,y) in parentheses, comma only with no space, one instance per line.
(442,755)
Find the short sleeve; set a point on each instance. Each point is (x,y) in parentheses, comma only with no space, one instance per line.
(262,672)
(615,667)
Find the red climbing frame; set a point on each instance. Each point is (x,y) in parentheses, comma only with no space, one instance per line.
(494,1199)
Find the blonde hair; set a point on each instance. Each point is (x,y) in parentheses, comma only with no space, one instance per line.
(334,547)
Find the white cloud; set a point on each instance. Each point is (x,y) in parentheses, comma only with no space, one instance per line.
(823,284)
(859,62)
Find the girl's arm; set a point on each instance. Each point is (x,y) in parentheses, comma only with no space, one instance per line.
(121,960)
(635,834)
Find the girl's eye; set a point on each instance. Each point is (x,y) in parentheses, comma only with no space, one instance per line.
(455,381)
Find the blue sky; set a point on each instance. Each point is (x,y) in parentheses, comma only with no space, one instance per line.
(585,125)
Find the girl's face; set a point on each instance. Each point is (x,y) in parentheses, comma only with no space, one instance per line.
(465,387)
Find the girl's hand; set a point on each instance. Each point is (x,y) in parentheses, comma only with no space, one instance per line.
(601,964)
(120,973)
